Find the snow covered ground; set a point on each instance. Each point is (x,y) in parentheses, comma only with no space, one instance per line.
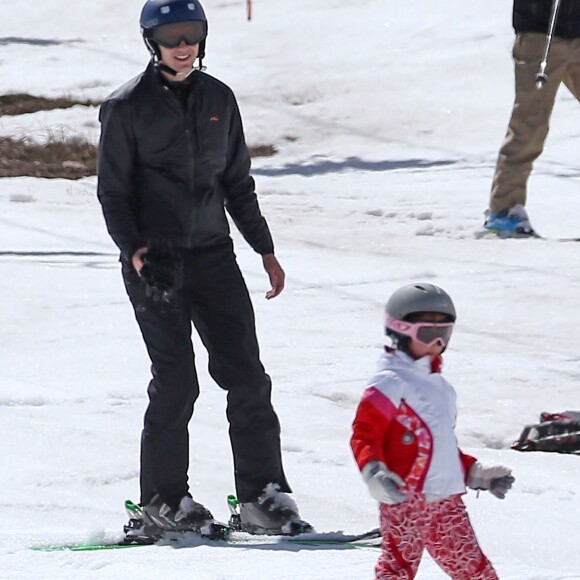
(388,117)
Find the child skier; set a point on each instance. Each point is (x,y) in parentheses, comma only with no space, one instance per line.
(404,444)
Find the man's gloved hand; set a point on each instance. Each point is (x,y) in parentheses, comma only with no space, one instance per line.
(162,271)
(384,485)
(496,479)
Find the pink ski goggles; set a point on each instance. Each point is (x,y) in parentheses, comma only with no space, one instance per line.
(426,332)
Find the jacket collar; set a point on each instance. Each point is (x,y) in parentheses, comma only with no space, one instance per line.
(423,365)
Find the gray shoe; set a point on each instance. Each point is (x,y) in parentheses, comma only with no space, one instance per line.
(137,532)
(190,516)
(274,513)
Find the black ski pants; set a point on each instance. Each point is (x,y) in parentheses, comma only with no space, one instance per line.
(215,298)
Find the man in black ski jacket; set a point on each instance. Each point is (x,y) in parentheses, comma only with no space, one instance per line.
(172,158)
(530,118)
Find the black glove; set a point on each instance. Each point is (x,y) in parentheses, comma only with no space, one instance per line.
(162,271)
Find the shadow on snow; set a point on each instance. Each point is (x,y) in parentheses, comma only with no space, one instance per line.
(350,163)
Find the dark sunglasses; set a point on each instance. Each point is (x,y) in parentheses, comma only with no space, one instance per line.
(191,32)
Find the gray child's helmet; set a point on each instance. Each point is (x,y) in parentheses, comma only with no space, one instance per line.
(412,299)
(420,297)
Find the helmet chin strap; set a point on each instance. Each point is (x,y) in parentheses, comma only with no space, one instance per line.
(161,66)
(164,68)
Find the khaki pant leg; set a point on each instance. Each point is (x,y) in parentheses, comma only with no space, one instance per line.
(572,75)
(529,123)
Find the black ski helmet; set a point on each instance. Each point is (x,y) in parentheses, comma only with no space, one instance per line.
(158,12)
(412,299)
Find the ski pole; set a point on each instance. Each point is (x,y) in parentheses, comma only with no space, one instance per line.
(249,9)
(542,77)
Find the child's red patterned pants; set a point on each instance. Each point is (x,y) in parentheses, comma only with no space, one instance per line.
(442,528)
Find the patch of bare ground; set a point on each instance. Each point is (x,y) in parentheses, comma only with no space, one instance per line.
(61,156)
(65,157)
(263,151)
(22,103)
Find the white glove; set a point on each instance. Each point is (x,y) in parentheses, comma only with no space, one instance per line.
(496,479)
(384,485)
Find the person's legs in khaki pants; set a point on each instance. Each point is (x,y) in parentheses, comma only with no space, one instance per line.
(529,123)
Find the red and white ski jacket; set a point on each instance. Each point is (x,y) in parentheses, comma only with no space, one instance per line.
(406,419)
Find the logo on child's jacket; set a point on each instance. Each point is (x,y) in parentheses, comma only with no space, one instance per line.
(407,438)
(214,119)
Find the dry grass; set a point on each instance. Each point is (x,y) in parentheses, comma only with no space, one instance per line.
(65,157)
(263,151)
(20,104)
(62,156)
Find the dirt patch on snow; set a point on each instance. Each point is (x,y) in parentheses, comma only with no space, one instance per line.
(22,103)
(263,150)
(67,157)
